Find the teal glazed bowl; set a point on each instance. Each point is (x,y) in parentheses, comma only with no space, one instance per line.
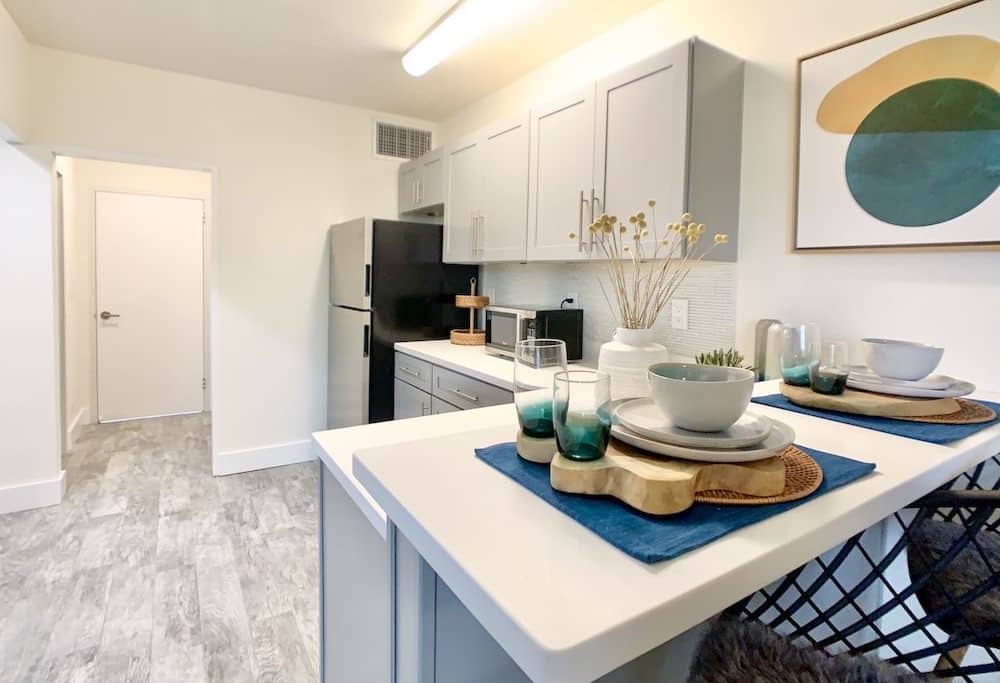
(701,398)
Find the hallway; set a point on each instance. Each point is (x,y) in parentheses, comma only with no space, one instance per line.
(153,569)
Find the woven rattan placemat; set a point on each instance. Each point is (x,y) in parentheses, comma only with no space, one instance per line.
(803,475)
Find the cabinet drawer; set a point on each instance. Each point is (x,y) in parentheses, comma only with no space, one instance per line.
(413,371)
(438,406)
(466,392)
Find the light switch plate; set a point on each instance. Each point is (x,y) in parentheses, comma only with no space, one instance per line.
(679,314)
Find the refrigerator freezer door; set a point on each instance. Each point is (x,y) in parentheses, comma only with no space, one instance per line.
(347,375)
(350,264)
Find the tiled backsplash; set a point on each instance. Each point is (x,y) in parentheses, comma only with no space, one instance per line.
(710,289)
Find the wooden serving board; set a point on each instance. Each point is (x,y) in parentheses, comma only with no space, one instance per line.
(867,403)
(662,486)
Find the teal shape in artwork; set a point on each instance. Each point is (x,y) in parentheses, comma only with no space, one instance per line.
(928,153)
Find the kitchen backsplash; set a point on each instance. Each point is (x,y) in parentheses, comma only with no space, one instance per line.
(710,289)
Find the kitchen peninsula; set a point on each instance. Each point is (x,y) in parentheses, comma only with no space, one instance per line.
(439,568)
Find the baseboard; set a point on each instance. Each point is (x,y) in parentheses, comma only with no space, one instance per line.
(276,455)
(34,494)
(74,426)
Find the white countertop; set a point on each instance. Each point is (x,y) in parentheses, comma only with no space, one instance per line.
(566,605)
(473,361)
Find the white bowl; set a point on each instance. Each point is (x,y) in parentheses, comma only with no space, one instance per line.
(701,398)
(901,359)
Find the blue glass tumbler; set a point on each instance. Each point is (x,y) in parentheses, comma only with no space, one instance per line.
(581,404)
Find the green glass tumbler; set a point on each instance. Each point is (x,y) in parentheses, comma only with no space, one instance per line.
(581,412)
(534,362)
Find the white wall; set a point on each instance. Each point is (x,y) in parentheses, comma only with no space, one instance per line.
(285,169)
(81,179)
(30,468)
(14,56)
(948,298)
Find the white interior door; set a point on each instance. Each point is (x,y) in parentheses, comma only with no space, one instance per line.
(150,305)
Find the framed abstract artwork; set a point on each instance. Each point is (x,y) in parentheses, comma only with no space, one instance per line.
(899,136)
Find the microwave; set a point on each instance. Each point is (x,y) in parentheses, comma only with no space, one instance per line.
(507,325)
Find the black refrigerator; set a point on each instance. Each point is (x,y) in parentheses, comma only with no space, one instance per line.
(387,284)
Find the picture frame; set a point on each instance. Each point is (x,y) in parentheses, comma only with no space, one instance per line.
(878,168)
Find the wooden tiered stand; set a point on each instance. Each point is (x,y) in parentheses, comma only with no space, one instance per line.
(471,336)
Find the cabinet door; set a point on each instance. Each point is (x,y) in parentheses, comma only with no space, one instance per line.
(408,401)
(438,406)
(430,178)
(462,201)
(503,221)
(642,137)
(561,178)
(408,186)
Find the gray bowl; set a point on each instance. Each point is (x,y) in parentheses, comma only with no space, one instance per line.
(701,398)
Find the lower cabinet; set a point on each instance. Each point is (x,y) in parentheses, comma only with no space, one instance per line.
(425,389)
(408,401)
(438,406)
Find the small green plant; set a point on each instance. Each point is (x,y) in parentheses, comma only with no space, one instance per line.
(727,358)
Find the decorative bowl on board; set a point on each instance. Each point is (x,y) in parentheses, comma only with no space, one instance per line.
(901,359)
(701,398)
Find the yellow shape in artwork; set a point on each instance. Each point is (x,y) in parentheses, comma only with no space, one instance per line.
(971,57)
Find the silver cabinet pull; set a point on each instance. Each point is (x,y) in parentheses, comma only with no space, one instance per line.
(409,371)
(482,233)
(467,397)
(594,200)
(424,409)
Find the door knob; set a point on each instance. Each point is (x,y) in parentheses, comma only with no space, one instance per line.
(107,315)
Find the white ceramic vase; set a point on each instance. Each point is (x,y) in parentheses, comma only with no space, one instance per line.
(627,357)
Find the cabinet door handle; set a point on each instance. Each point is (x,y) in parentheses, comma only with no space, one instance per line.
(482,233)
(594,201)
(424,409)
(474,245)
(409,371)
(420,191)
(467,397)
(579,232)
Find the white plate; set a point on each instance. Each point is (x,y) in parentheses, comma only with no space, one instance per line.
(863,373)
(780,438)
(954,391)
(643,417)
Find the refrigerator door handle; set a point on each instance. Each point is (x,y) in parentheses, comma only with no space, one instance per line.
(367,341)
(368,279)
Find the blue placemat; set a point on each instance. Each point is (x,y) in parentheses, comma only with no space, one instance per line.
(650,538)
(922,431)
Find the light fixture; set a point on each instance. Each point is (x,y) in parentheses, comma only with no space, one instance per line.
(463,23)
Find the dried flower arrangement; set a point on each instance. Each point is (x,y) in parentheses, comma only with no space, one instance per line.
(644,283)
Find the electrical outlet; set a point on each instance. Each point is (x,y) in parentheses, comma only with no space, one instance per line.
(575,298)
(679,314)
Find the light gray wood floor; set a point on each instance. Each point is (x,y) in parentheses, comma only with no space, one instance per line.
(154,570)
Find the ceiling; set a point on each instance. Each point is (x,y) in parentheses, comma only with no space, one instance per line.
(344,51)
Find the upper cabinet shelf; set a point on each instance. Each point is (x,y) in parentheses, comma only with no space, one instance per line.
(667,128)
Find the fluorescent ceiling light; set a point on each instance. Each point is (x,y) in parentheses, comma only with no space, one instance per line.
(465,22)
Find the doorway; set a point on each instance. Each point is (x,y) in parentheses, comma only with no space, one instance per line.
(135,304)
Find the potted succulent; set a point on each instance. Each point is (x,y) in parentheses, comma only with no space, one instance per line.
(644,271)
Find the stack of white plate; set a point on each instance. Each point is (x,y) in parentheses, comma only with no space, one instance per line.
(640,423)
(933,386)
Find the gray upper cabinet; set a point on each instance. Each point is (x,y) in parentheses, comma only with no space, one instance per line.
(641,140)
(421,184)
(503,218)
(667,128)
(463,199)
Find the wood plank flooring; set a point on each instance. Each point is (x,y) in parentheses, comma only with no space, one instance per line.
(154,570)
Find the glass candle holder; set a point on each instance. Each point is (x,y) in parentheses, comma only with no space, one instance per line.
(581,405)
(829,375)
(533,361)
(799,351)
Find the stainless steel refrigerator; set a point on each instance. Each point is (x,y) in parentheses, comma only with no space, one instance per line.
(387,284)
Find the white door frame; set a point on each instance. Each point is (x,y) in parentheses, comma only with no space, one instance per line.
(206,362)
(209,270)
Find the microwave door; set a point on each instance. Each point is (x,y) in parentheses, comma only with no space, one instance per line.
(501,330)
